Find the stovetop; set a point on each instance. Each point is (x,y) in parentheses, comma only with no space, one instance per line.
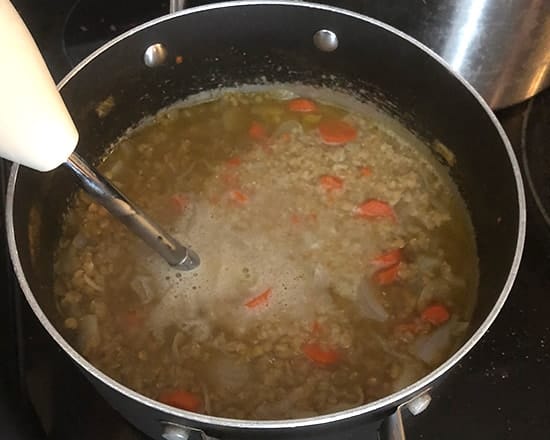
(499,391)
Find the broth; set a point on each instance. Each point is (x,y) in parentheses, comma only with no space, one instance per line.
(338,258)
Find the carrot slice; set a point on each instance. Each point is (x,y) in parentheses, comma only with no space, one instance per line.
(320,356)
(302,105)
(179,59)
(386,276)
(257,131)
(365,171)
(181,399)
(336,132)
(388,258)
(238,196)
(233,162)
(295,219)
(436,314)
(331,183)
(132,320)
(372,209)
(259,300)
(179,202)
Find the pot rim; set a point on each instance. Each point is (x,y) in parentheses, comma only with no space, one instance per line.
(386,403)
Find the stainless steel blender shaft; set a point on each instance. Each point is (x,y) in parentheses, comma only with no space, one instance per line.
(104,193)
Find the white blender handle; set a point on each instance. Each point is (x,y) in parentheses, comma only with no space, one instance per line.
(36,129)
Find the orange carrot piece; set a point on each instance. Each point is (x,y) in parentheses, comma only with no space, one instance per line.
(259,300)
(317,354)
(336,132)
(302,105)
(372,209)
(365,171)
(388,258)
(238,196)
(387,275)
(179,202)
(331,183)
(233,162)
(436,314)
(132,319)
(181,399)
(295,219)
(257,131)
(179,59)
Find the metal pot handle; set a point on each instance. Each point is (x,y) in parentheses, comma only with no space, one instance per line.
(392,427)
(177,5)
(173,431)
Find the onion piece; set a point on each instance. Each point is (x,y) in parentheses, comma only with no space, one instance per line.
(144,288)
(287,127)
(411,371)
(368,304)
(228,372)
(431,348)
(206,399)
(190,167)
(283,94)
(427,296)
(178,340)
(88,334)
(321,277)
(427,264)
(92,283)
(199,329)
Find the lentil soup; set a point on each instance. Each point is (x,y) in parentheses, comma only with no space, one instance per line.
(338,258)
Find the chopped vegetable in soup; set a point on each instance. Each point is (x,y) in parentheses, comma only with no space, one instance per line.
(338,261)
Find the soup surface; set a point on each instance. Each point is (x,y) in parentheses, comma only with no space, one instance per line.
(338,259)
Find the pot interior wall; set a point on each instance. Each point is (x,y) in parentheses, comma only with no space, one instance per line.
(255,43)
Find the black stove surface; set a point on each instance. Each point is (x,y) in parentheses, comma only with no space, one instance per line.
(499,391)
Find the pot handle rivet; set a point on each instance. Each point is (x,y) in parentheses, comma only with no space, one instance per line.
(325,40)
(172,432)
(419,404)
(155,55)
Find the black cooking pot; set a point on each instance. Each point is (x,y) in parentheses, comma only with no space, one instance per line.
(263,42)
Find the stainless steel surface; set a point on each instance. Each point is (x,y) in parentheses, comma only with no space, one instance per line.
(419,404)
(103,192)
(496,201)
(502,47)
(155,55)
(325,40)
(392,428)
(177,5)
(172,432)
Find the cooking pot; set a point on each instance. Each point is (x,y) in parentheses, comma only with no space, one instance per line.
(236,43)
(501,47)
